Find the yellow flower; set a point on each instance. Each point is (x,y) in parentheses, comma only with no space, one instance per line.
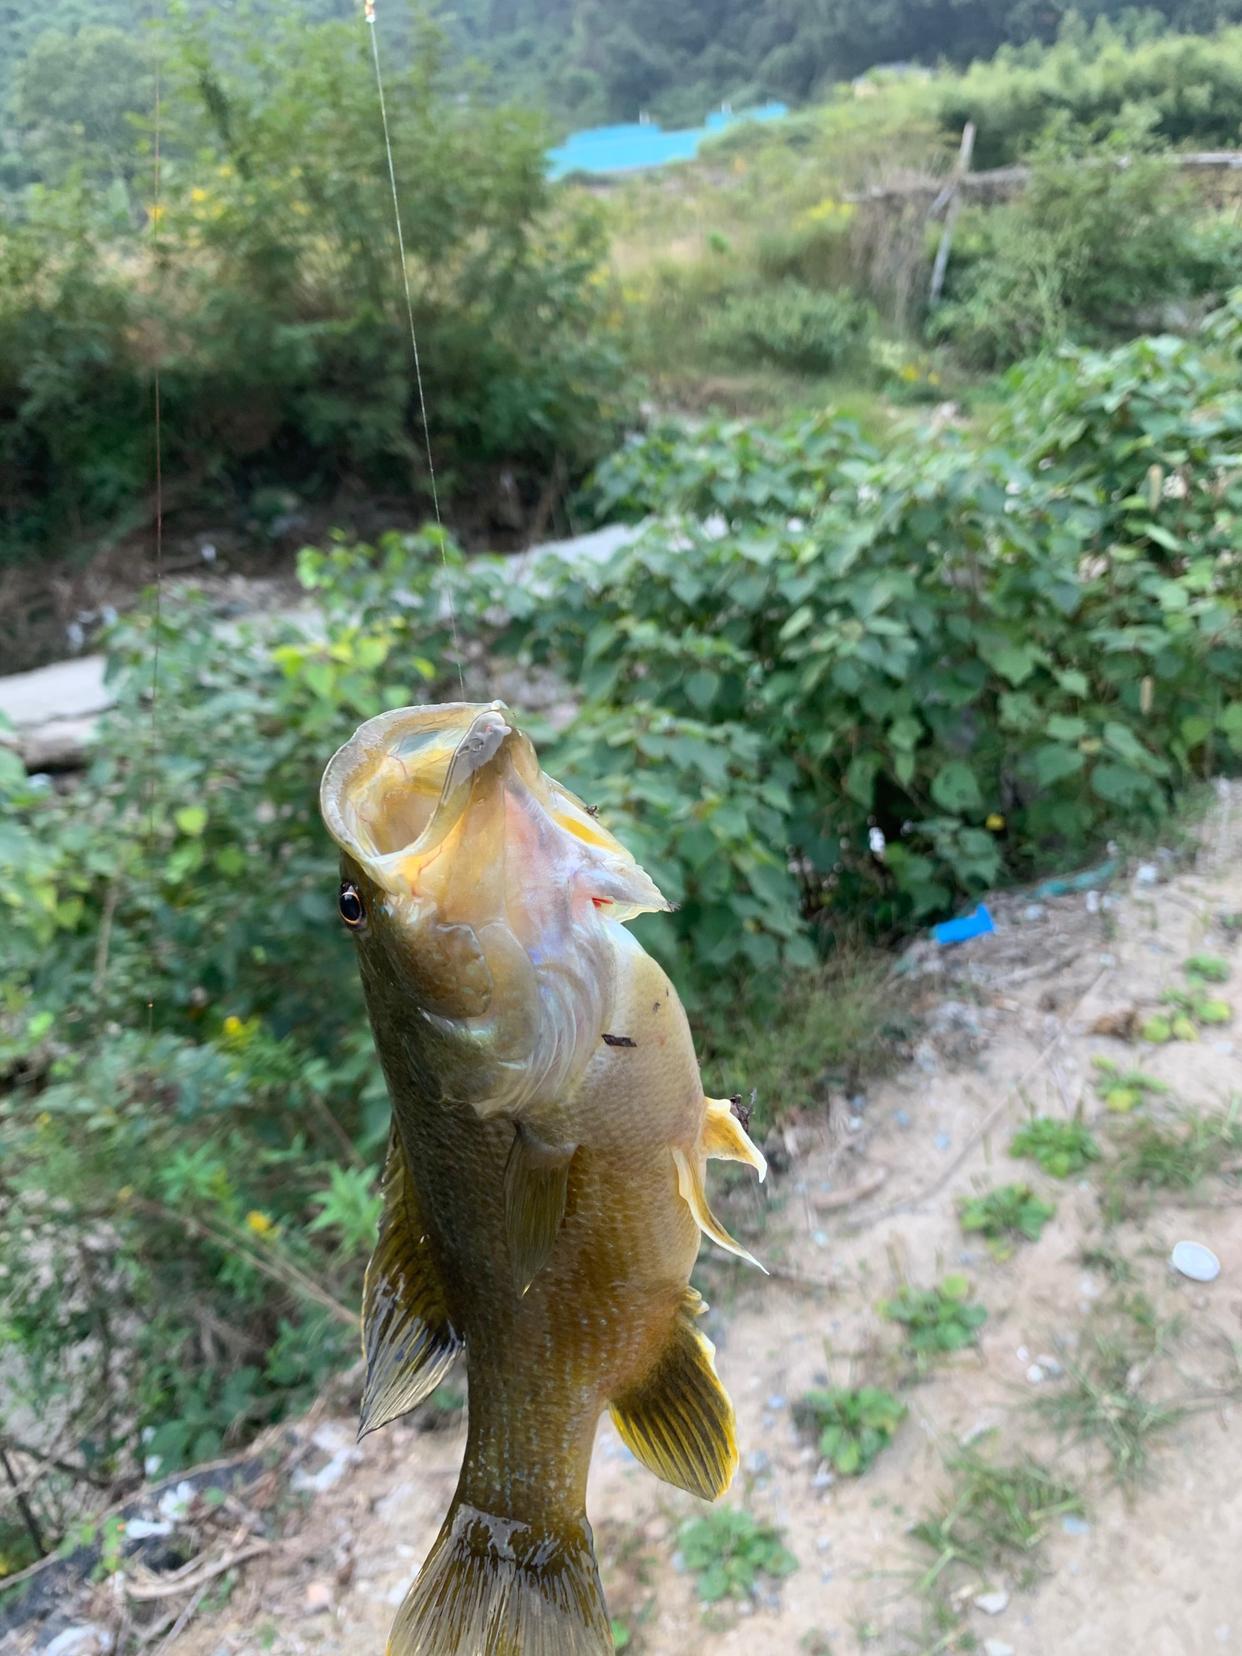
(259,1223)
(995,822)
(198,194)
(43,1119)
(909,372)
(156,211)
(125,1193)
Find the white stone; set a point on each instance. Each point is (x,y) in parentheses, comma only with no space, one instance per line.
(992,1603)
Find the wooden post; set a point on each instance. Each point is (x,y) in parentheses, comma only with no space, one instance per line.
(951,211)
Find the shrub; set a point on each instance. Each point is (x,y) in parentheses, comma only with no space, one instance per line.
(790,325)
(853,1424)
(1104,237)
(273,306)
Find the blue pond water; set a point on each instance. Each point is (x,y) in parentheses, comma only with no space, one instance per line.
(640,144)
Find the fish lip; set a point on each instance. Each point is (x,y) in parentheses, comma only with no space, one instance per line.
(486,728)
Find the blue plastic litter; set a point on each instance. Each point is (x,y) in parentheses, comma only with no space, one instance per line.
(966,926)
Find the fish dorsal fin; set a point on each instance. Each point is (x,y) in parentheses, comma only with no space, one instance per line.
(678,1419)
(407,1337)
(536,1189)
(726,1139)
(690,1183)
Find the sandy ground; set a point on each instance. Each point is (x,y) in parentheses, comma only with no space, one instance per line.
(1008,1025)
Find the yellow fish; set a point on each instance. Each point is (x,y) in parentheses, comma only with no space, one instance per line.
(544,1187)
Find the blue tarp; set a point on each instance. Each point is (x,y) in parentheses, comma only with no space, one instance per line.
(640,144)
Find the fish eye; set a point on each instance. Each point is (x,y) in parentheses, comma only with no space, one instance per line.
(353,909)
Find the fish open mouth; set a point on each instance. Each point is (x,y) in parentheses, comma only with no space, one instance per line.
(499,881)
(422,794)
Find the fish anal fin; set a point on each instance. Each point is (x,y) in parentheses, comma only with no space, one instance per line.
(536,1189)
(407,1337)
(694,1194)
(678,1419)
(726,1139)
(496,1585)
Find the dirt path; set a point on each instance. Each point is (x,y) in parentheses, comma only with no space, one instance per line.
(1009,1022)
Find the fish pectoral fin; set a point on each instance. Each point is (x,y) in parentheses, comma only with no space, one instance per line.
(690,1183)
(536,1189)
(726,1139)
(407,1337)
(678,1420)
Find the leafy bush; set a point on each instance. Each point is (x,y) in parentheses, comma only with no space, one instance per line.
(794,326)
(1105,236)
(853,1424)
(273,307)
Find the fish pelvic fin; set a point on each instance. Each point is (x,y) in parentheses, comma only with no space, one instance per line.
(536,1190)
(678,1420)
(496,1586)
(690,1182)
(407,1338)
(726,1139)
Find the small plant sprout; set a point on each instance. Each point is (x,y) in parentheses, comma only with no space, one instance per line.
(1007,1212)
(1062,1148)
(730,1551)
(1207,969)
(1173,1157)
(1123,1090)
(854,1424)
(1187,1011)
(936,1320)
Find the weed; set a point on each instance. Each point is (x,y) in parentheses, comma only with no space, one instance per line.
(1113,1265)
(1189,1010)
(622,1638)
(1106,1401)
(854,1424)
(1008,1211)
(1062,1148)
(801,1055)
(1207,968)
(993,1516)
(936,1319)
(729,1550)
(1175,1157)
(1121,1089)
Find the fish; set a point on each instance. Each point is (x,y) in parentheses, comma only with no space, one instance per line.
(544,1192)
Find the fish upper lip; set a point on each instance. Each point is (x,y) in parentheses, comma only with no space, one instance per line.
(486,730)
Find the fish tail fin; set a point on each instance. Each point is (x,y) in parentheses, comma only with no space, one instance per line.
(501,1587)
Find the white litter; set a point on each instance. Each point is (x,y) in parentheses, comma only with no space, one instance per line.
(1195,1261)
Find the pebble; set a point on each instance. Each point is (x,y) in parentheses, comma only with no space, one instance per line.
(86,1640)
(758,1462)
(1035,1374)
(942,1141)
(776,1400)
(318,1596)
(997,1647)
(992,1603)
(823,1543)
(823,1479)
(1072,1524)
(1034,911)
(1146,874)
(902,1118)
(820,1238)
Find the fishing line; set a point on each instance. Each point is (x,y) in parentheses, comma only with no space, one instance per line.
(369,13)
(153,744)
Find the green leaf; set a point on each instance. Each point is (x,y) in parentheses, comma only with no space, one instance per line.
(191,819)
(1053,763)
(701,688)
(954,788)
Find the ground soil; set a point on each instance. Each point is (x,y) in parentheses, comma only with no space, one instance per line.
(1008,1025)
